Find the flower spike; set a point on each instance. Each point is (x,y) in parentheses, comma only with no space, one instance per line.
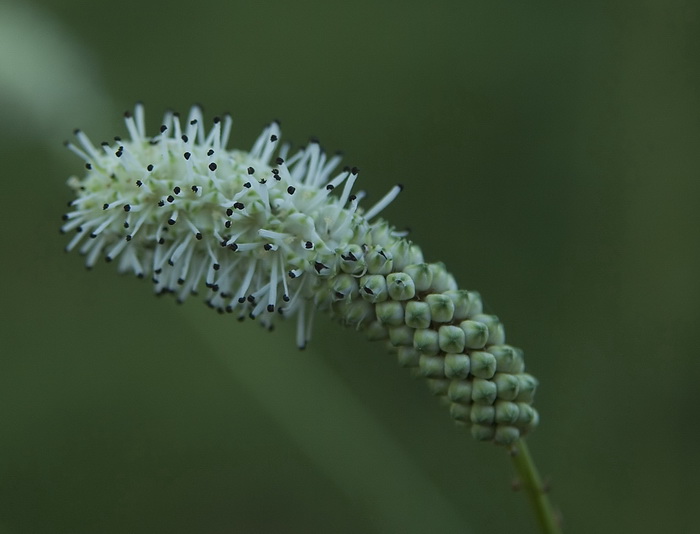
(266,234)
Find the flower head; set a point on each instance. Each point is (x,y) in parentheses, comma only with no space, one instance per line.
(269,234)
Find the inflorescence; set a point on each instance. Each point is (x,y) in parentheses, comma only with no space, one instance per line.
(272,234)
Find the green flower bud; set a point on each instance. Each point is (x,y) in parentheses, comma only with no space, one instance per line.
(477,306)
(355,312)
(483,391)
(482,414)
(460,299)
(507,413)
(373,288)
(508,359)
(400,286)
(506,435)
(352,260)
(483,432)
(441,308)
(460,391)
(438,387)
(483,364)
(376,331)
(457,365)
(460,412)
(390,313)
(408,356)
(476,334)
(379,261)
(404,252)
(343,286)
(401,336)
(432,366)
(497,334)
(528,385)
(421,274)
(442,280)
(417,314)
(451,339)
(534,422)
(425,341)
(526,414)
(326,264)
(508,386)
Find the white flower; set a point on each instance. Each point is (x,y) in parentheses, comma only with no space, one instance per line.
(257,228)
(267,234)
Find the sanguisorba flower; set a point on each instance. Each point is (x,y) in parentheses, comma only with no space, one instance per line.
(272,234)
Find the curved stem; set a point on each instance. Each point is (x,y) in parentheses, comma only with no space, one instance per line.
(532,484)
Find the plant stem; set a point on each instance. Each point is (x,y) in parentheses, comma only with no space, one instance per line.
(532,484)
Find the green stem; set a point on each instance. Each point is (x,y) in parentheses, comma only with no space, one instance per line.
(532,484)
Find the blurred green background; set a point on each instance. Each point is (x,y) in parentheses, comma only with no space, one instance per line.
(550,155)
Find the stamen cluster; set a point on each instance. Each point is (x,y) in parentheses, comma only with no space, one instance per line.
(266,234)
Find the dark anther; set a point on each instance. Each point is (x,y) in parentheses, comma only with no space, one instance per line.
(187,155)
(270,307)
(127,207)
(184,138)
(330,187)
(163,128)
(212,166)
(309,245)
(105,206)
(210,152)
(229,212)
(176,190)
(161,203)
(319,267)
(273,138)
(149,168)
(170,199)
(354,170)
(291,190)
(251,170)
(238,205)
(279,161)
(88,166)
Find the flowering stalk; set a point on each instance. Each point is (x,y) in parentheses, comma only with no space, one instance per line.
(272,234)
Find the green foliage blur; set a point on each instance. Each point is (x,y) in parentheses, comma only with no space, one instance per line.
(550,153)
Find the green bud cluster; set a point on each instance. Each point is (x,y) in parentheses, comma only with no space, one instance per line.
(438,331)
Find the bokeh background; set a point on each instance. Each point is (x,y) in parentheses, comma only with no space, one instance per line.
(550,156)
